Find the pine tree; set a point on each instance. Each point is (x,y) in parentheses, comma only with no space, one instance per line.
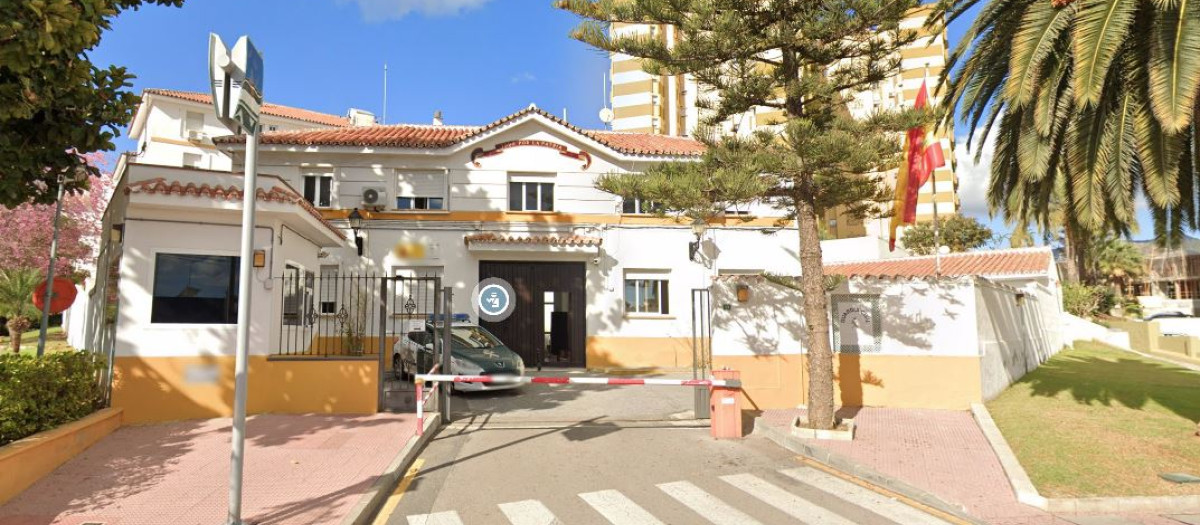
(804,58)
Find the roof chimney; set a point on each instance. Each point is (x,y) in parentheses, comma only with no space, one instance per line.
(437,118)
(360,117)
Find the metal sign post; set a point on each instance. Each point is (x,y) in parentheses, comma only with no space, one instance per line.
(447,347)
(236,77)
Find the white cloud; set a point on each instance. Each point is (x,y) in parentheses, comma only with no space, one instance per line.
(523,77)
(384,10)
(973,177)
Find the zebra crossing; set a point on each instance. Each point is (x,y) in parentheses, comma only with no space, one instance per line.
(785,493)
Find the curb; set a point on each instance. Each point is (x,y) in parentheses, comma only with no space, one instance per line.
(1028,494)
(847,466)
(363,512)
(565,424)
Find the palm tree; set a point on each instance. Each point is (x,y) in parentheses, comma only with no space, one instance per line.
(1097,97)
(16,302)
(1117,261)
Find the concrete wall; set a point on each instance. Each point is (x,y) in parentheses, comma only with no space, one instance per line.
(28,460)
(1014,333)
(1179,326)
(1143,336)
(939,345)
(1079,329)
(926,355)
(1146,337)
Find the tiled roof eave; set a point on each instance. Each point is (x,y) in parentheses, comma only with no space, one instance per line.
(160,186)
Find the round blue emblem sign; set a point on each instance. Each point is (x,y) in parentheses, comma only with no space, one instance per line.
(493,299)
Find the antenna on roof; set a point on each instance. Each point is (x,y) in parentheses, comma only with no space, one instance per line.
(383,120)
(606,114)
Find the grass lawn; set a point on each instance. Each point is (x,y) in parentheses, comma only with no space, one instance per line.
(1098,421)
(56,341)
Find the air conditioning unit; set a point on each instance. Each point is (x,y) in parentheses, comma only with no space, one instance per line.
(374,196)
(196,135)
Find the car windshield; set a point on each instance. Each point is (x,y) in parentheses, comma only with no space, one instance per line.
(472,337)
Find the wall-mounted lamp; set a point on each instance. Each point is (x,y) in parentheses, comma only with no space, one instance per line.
(356,223)
(698,228)
(743,293)
(260,258)
(1020,296)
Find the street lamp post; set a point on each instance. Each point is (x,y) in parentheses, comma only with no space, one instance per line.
(356,224)
(698,228)
(700,359)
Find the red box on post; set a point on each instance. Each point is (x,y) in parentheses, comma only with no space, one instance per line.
(726,406)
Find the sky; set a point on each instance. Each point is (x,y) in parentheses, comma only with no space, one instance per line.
(475,60)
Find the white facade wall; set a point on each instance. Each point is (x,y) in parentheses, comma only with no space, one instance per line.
(164,138)
(921,317)
(1018,331)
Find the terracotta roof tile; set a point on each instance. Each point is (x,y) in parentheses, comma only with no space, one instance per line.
(429,136)
(275,110)
(997,263)
(646,143)
(395,136)
(161,186)
(550,240)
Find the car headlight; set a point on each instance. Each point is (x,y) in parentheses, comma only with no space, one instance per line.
(520,366)
(462,366)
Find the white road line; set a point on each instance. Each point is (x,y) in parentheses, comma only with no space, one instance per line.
(791,504)
(868,499)
(438,518)
(618,509)
(706,505)
(528,512)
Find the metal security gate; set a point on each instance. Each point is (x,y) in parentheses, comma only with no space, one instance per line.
(411,303)
(358,317)
(701,345)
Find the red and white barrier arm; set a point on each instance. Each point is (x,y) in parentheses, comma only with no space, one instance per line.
(421,398)
(500,379)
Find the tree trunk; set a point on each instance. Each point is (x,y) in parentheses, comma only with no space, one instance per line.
(816,311)
(17,326)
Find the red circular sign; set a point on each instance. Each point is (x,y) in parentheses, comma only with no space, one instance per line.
(62,294)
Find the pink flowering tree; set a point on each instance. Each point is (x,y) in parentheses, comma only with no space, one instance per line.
(26,230)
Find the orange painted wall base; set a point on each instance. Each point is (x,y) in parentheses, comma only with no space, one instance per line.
(941,382)
(152,389)
(26,461)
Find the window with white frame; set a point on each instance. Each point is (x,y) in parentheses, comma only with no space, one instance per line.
(318,189)
(647,292)
(637,206)
(298,285)
(531,193)
(328,302)
(194,289)
(420,191)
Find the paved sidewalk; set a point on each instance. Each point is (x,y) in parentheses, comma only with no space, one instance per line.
(299,469)
(942,452)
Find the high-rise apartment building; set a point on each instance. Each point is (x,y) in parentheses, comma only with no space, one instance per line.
(667,105)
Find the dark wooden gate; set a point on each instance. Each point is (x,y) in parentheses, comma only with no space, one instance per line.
(525,331)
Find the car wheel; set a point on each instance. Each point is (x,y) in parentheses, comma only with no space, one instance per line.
(397,367)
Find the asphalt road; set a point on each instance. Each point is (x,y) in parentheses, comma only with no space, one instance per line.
(625,473)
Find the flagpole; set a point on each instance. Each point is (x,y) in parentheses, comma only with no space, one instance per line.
(937,237)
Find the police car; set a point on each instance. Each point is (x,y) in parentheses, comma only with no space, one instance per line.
(474,351)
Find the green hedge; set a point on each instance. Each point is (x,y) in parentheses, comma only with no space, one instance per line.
(38,394)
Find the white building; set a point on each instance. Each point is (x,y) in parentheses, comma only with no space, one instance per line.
(599,282)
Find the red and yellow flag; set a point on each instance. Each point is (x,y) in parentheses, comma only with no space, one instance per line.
(923,155)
